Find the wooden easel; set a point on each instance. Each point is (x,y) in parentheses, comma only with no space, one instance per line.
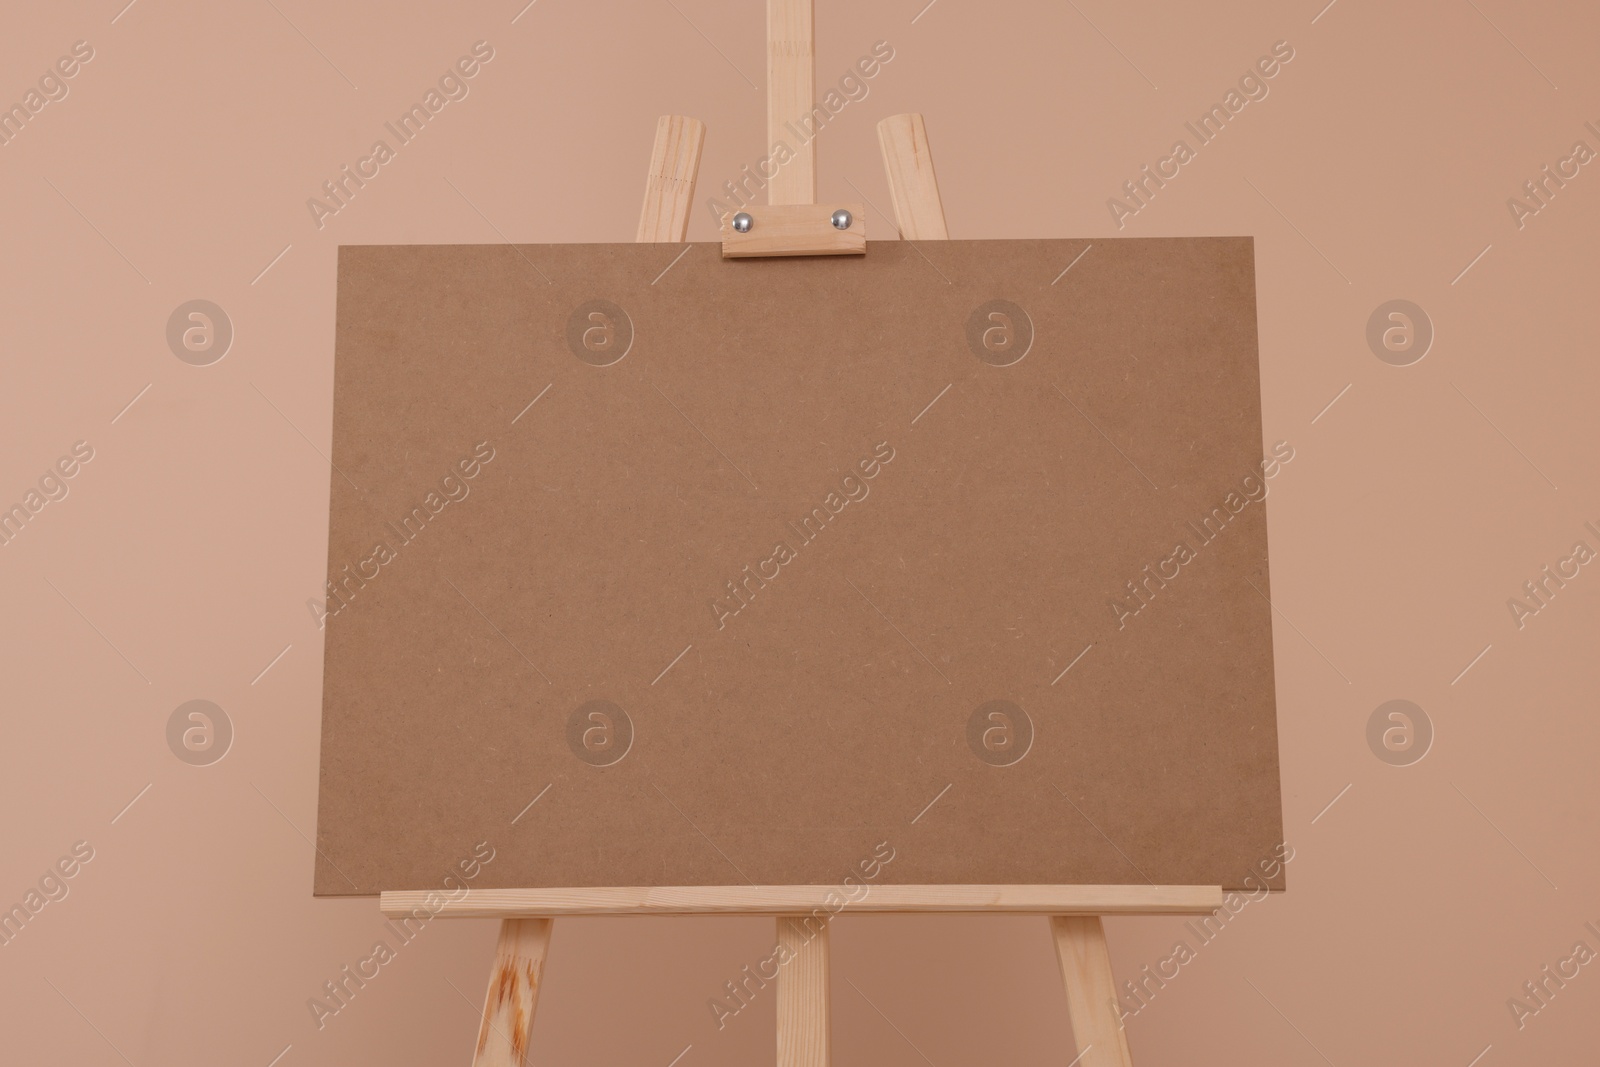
(793,224)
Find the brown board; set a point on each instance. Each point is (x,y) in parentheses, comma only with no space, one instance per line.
(651,568)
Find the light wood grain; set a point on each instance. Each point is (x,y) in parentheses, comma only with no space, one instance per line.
(513,994)
(791,95)
(795,230)
(803,1006)
(1091,991)
(913,189)
(669,185)
(797,899)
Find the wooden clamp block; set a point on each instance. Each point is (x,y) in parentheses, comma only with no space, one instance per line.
(795,230)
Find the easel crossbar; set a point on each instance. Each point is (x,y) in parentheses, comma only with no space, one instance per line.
(803,899)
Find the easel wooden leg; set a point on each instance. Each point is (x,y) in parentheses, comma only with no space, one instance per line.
(1091,991)
(669,185)
(913,188)
(513,993)
(803,1011)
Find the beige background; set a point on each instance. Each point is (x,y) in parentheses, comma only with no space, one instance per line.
(1377,168)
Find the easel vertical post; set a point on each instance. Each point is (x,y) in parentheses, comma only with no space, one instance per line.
(1091,990)
(513,994)
(791,92)
(803,1009)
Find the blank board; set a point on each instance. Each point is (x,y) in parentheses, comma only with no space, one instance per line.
(654,569)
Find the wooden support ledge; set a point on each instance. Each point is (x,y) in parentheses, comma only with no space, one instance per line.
(777,900)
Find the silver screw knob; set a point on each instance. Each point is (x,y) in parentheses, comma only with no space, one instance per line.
(841,219)
(742,222)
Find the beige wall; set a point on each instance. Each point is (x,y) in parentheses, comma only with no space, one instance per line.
(177,566)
